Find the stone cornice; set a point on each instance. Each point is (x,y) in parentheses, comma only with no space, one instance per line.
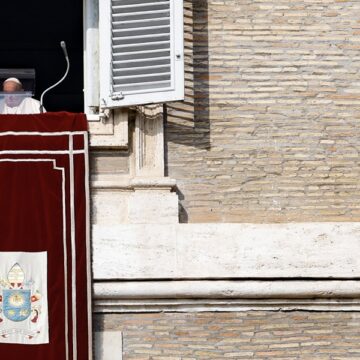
(185,296)
(242,289)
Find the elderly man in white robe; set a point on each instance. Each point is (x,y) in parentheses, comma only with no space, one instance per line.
(17,103)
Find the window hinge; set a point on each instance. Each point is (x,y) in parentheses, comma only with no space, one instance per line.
(118,96)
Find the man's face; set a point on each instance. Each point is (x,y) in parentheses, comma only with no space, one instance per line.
(15,99)
(11,86)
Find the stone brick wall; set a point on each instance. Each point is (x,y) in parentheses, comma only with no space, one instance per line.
(243,335)
(270,129)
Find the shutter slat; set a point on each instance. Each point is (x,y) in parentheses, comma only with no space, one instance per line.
(126,49)
(143,49)
(126,22)
(144,32)
(164,59)
(121,57)
(141,52)
(130,17)
(123,4)
(142,70)
(142,14)
(143,62)
(155,43)
(139,40)
(134,37)
(122,10)
(134,78)
(131,24)
(135,2)
(140,7)
(145,86)
(118,31)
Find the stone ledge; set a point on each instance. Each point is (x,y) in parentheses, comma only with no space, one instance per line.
(149,183)
(229,296)
(241,289)
(222,305)
(120,182)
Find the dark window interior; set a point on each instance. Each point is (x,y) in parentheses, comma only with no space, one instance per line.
(31,32)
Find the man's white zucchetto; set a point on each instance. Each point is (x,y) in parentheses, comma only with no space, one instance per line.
(13,79)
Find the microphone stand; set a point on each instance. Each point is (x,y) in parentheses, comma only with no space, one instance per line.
(63,46)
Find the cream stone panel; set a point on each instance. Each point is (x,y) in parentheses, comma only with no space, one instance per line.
(108,345)
(110,131)
(218,251)
(150,207)
(109,208)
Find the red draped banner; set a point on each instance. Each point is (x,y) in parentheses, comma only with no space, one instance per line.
(45,306)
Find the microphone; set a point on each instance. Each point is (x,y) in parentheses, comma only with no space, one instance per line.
(63,46)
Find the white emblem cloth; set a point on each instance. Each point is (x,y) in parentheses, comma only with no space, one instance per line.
(23,298)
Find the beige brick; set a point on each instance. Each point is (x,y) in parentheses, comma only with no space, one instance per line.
(140,340)
(274,83)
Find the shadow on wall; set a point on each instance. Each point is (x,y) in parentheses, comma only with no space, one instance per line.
(187,122)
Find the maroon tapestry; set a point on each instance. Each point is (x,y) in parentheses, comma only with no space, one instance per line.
(45,302)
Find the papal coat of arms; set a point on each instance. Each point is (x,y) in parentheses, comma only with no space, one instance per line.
(21,307)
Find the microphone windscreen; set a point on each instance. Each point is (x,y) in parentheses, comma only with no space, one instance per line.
(63,45)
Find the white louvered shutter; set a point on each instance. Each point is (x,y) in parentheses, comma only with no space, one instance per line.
(141,52)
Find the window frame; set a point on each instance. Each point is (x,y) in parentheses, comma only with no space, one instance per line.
(141,97)
(91,60)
